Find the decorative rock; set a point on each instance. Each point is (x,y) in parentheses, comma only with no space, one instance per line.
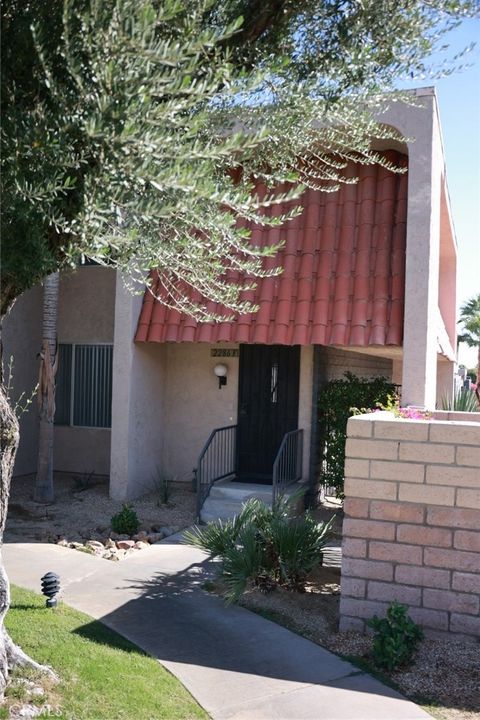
(109,543)
(155,537)
(63,542)
(167,531)
(125,544)
(112,556)
(140,535)
(141,545)
(95,544)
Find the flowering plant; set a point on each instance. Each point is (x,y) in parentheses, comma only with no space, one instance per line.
(393,405)
(408,413)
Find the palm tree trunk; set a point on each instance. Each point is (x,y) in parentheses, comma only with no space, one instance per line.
(46,391)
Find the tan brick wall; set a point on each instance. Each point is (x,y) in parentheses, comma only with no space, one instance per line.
(335,363)
(412,521)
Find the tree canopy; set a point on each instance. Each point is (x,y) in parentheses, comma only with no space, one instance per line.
(122,120)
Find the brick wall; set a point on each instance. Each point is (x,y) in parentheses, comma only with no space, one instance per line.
(412,522)
(335,363)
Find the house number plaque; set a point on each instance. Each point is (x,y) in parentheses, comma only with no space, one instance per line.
(224,352)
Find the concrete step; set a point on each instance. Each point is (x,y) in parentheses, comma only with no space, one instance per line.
(227,497)
(240,492)
(219,509)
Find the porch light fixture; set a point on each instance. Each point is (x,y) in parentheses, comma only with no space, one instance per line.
(220,371)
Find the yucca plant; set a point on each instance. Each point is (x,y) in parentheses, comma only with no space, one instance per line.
(462,401)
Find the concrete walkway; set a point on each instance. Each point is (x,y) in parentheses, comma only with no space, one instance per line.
(235,663)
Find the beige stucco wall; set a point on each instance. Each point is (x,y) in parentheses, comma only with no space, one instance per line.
(86,315)
(163,417)
(138,416)
(194,404)
(21,337)
(87,306)
(427,220)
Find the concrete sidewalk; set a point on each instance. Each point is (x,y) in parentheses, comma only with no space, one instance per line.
(237,665)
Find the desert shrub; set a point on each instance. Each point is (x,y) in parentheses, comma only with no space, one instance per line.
(396,638)
(262,546)
(126,521)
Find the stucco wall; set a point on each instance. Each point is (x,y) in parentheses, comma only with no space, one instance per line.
(138,417)
(412,522)
(21,337)
(194,404)
(86,315)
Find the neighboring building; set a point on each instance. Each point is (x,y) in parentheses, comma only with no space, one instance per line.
(369,285)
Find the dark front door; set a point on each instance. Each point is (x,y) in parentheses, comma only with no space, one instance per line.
(267,405)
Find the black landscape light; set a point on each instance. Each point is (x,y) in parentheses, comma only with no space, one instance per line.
(50,587)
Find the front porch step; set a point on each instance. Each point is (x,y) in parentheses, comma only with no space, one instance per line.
(227,497)
(232,490)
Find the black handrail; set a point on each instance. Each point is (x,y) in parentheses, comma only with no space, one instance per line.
(288,464)
(217,460)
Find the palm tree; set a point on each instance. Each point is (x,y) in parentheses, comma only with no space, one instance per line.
(470,319)
(46,390)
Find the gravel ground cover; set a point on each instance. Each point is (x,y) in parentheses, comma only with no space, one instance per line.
(83,510)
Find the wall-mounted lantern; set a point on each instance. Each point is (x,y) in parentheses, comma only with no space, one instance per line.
(221,371)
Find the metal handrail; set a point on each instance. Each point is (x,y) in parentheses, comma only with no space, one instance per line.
(217,460)
(288,464)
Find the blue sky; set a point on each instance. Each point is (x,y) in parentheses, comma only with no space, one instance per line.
(459,103)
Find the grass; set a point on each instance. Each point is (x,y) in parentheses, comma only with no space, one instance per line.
(102,675)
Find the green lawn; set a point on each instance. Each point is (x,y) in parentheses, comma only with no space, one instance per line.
(102,675)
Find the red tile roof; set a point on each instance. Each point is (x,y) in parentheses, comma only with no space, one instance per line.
(343,280)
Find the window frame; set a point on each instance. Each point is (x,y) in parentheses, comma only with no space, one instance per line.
(72,385)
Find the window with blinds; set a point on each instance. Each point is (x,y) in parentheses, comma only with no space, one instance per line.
(84,386)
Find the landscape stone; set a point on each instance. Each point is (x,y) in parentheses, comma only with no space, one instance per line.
(125,544)
(167,531)
(155,537)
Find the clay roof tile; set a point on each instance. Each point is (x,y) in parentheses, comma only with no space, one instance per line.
(343,273)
